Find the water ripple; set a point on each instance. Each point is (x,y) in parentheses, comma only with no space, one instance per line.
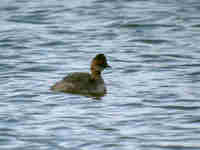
(153,86)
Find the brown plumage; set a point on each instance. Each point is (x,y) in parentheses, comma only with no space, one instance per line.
(85,83)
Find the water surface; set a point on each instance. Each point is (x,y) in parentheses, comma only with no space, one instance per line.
(153,86)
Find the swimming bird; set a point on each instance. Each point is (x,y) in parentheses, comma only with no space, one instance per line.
(83,82)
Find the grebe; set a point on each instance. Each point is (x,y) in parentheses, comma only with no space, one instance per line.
(83,82)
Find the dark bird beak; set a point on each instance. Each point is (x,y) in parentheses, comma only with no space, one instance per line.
(108,66)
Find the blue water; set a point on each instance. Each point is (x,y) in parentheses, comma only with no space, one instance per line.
(153,100)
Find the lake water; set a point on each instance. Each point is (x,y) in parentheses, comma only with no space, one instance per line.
(153,100)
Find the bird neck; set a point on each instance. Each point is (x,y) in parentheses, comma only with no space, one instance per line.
(95,74)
